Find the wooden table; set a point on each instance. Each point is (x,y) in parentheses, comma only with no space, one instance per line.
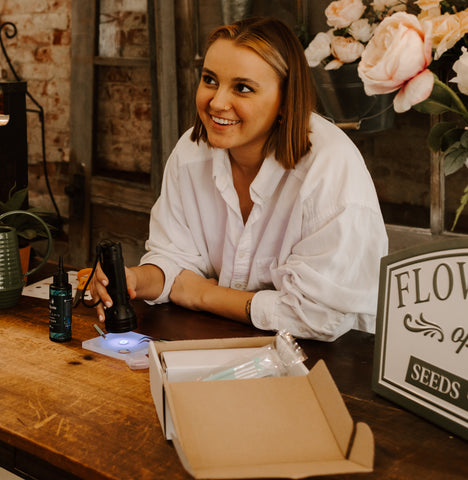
(70,413)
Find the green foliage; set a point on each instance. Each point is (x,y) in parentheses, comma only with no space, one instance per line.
(455,157)
(461,207)
(453,6)
(27,228)
(448,138)
(443,134)
(442,100)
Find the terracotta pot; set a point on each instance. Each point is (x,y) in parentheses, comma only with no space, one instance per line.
(25,253)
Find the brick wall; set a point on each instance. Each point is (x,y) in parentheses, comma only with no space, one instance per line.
(40,54)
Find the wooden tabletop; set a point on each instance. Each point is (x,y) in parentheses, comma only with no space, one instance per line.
(71,413)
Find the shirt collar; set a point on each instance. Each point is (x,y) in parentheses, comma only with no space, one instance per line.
(265,182)
(267,179)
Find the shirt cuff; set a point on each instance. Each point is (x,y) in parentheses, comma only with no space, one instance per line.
(170,270)
(262,310)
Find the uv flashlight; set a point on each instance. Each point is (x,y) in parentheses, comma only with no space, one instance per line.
(120,317)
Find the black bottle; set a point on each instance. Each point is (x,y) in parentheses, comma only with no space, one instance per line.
(60,307)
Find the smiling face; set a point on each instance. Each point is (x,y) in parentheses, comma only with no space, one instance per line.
(238,100)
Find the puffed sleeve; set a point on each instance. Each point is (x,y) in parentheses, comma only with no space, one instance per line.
(329,283)
(171,245)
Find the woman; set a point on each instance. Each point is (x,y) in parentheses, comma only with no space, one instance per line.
(267,213)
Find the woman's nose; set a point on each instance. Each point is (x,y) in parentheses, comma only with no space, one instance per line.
(220,101)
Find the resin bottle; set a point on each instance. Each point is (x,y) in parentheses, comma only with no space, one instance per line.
(60,306)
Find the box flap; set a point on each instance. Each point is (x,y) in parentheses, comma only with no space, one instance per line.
(273,470)
(332,404)
(213,343)
(157,384)
(271,427)
(362,449)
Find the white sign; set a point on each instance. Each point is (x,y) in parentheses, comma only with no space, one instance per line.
(421,349)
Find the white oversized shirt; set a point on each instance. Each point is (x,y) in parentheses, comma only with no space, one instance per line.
(310,248)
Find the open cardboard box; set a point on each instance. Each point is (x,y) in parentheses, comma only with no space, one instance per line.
(282,427)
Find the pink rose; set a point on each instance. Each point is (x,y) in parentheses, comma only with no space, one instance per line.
(341,13)
(396,58)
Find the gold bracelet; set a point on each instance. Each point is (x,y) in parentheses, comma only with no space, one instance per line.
(247,310)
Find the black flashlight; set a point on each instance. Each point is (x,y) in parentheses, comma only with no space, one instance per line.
(120,317)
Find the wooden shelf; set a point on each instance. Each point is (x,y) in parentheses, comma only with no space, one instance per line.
(122,61)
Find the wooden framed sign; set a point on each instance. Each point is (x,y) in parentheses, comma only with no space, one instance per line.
(421,343)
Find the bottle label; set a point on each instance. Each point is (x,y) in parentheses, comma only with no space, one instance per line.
(60,315)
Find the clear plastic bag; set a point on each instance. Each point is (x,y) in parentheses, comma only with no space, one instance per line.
(273,360)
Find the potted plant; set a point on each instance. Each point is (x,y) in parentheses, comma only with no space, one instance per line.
(27,228)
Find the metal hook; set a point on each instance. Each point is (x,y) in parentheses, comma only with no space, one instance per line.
(9,34)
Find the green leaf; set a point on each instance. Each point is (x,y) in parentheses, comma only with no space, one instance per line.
(438,131)
(451,137)
(454,158)
(439,101)
(431,106)
(461,207)
(464,140)
(15,200)
(28,234)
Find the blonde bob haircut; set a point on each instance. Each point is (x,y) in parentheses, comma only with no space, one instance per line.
(277,45)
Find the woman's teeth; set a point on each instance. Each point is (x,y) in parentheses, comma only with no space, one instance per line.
(223,121)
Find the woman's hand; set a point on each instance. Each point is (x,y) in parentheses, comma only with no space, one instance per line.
(98,290)
(189,288)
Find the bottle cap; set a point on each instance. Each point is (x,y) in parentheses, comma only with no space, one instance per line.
(61,277)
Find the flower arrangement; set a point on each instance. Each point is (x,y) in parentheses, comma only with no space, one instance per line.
(414,49)
(424,59)
(352,23)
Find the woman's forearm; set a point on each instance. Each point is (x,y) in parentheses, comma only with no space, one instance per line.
(227,302)
(149,281)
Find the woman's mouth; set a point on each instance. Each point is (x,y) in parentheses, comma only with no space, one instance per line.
(224,121)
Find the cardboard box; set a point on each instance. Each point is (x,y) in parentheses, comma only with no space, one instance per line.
(282,427)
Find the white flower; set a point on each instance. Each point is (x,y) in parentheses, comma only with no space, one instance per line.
(319,49)
(341,13)
(346,49)
(460,67)
(361,30)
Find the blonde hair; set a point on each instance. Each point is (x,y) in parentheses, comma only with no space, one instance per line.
(277,45)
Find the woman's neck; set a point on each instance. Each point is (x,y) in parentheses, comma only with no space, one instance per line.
(243,174)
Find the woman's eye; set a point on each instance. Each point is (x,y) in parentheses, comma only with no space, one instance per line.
(208,80)
(243,88)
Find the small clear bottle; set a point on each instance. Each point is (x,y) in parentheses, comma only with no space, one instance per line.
(60,307)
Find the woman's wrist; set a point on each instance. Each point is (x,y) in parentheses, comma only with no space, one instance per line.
(227,302)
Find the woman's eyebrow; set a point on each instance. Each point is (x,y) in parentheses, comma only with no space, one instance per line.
(210,72)
(235,79)
(246,80)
